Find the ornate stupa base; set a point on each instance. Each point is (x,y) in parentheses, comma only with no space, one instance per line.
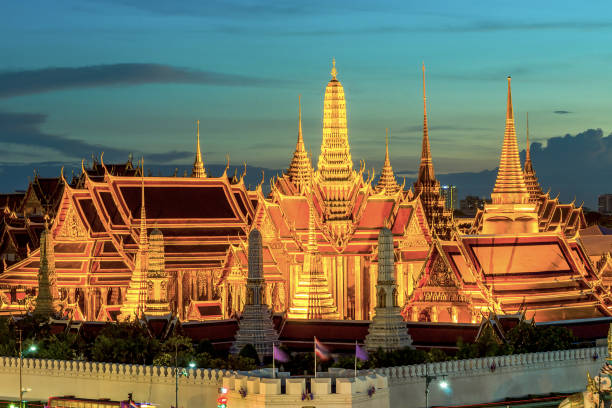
(256,328)
(388,330)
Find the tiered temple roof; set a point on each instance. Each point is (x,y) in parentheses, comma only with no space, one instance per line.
(387,183)
(300,169)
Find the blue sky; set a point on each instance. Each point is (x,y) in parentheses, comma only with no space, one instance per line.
(133,76)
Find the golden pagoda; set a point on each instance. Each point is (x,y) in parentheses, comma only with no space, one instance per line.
(510,210)
(335,179)
(135,297)
(387,182)
(300,169)
(198,166)
(312,298)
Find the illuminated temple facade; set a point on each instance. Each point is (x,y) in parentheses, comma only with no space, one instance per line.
(126,245)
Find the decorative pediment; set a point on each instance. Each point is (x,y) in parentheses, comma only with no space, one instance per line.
(72,227)
(441,275)
(414,236)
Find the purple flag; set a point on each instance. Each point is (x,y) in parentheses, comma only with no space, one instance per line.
(361,353)
(279,355)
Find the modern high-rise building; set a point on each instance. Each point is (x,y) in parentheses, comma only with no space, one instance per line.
(449,193)
(605,203)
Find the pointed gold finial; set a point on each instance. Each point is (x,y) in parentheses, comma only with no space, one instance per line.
(509,109)
(334,72)
(198,166)
(386,144)
(527,153)
(300,137)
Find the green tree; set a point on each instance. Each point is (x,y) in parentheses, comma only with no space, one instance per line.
(124,343)
(176,348)
(8,338)
(248,350)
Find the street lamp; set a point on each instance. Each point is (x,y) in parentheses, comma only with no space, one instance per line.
(428,379)
(192,364)
(30,349)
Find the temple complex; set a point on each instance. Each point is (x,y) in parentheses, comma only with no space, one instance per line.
(388,329)
(320,241)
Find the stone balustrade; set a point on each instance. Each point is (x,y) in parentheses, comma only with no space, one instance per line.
(488,365)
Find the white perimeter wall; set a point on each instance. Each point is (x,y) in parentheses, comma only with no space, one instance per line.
(470,381)
(473,381)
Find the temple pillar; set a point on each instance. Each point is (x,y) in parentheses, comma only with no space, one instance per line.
(193,279)
(224,300)
(103,296)
(179,294)
(454,314)
(401,283)
(209,286)
(268,300)
(358,287)
(373,279)
(434,314)
(410,277)
(414,314)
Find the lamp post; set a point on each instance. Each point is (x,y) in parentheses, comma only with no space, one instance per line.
(31,349)
(176,373)
(428,379)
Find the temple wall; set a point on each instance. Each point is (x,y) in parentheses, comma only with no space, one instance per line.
(471,381)
(490,379)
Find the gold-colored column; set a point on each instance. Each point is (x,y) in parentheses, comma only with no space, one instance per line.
(358,287)
(179,294)
(373,280)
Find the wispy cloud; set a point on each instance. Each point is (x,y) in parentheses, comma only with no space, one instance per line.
(15,83)
(23,129)
(472,27)
(561,112)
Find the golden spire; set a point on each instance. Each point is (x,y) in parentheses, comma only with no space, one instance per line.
(143,213)
(335,162)
(527,152)
(300,138)
(300,169)
(426,185)
(531,180)
(426,170)
(510,184)
(198,166)
(334,72)
(387,180)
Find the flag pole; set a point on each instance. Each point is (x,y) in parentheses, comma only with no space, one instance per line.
(273,361)
(315,352)
(355,358)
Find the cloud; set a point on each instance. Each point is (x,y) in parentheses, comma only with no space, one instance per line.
(574,166)
(23,129)
(561,112)
(15,83)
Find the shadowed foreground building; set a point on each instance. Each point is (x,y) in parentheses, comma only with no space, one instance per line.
(522,251)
